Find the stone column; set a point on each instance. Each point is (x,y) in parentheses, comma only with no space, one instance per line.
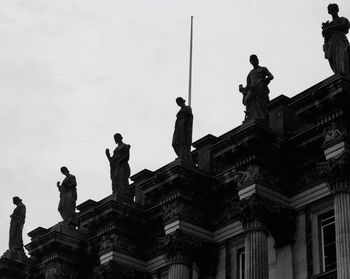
(180,250)
(342,231)
(339,184)
(337,173)
(253,218)
(179,267)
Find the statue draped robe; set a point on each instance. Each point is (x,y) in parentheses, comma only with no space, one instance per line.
(16,227)
(120,170)
(256,93)
(68,198)
(336,45)
(182,137)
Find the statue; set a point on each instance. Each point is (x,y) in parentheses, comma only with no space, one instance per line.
(16,228)
(256,93)
(336,45)
(68,197)
(182,137)
(331,134)
(120,169)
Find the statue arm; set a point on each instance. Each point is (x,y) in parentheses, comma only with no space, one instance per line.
(342,25)
(108,155)
(269,76)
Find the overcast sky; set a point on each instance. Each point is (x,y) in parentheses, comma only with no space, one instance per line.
(73,73)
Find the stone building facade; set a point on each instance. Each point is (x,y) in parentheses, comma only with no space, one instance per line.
(266,200)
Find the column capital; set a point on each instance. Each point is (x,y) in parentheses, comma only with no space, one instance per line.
(337,173)
(180,247)
(254,212)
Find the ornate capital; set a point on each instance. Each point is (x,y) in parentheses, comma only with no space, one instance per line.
(181,247)
(337,173)
(254,213)
(113,270)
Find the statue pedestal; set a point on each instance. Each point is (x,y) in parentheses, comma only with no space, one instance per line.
(58,251)
(17,255)
(15,264)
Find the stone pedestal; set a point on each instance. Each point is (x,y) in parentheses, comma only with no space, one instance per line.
(58,252)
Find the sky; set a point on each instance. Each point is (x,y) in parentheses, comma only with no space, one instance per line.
(74,73)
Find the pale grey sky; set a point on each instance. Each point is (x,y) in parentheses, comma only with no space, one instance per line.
(73,73)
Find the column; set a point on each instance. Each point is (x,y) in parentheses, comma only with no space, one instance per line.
(341,191)
(180,250)
(253,218)
(338,176)
(179,267)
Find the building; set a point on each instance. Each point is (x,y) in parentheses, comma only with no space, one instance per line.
(271,198)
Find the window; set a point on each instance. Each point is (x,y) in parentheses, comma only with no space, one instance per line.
(240,263)
(328,249)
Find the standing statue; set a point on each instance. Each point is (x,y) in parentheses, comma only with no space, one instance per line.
(16,228)
(182,137)
(256,93)
(68,197)
(120,169)
(336,45)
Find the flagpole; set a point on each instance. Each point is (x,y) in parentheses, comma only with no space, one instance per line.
(190,67)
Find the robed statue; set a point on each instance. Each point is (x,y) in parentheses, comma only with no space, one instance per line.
(182,137)
(68,197)
(18,217)
(256,92)
(336,45)
(120,169)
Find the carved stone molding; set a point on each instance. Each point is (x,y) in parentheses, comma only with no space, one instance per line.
(181,208)
(255,174)
(60,271)
(117,242)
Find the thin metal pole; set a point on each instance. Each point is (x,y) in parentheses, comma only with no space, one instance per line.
(190,70)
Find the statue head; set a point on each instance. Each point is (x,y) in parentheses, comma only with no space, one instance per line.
(64,170)
(180,101)
(16,200)
(333,9)
(118,138)
(254,60)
